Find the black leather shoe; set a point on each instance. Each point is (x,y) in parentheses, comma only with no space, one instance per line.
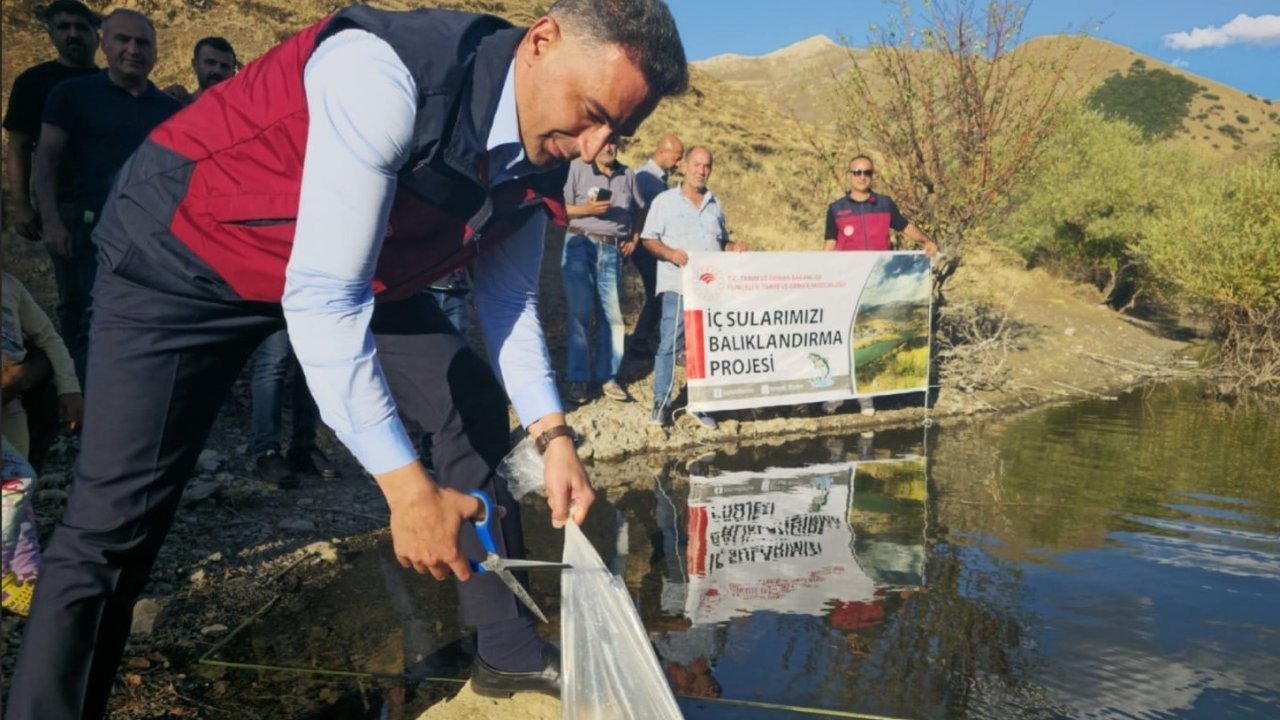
(489,682)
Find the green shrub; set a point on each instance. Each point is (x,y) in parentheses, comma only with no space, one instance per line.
(1091,199)
(1221,254)
(1210,96)
(1154,101)
(1230,131)
(1242,119)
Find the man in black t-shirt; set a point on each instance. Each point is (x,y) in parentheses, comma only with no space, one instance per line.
(73,29)
(91,125)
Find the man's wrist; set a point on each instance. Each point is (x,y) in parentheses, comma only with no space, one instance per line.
(558,433)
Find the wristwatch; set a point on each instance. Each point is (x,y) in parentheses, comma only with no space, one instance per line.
(542,441)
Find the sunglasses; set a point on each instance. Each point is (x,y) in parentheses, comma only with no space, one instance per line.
(862,173)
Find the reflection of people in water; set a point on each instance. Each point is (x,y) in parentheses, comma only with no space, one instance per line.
(866,447)
(688,653)
(694,679)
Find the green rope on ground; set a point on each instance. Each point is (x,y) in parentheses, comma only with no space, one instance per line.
(786,708)
(755,705)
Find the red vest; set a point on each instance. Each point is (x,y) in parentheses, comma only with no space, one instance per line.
(245,140)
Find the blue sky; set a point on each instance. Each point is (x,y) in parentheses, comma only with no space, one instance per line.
(1204,37)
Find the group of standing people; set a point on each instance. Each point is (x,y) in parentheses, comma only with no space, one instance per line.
(616,213)
(71,126)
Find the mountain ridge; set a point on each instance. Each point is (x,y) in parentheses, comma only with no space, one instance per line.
(800,80)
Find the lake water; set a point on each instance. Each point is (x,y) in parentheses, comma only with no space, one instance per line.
(1104,559)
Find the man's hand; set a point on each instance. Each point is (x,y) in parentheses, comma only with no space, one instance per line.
(732,246)
(679,257)
(72,407)
(566,482)
(930,249)
(179,93)
(596,208)
(626,247)
(21,377)
(56,237)
(25,222)
(425,521)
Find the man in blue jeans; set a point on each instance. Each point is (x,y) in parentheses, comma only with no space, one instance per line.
(271,365)
(603,202)
(681,220)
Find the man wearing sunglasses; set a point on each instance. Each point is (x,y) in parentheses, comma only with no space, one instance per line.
(861,220)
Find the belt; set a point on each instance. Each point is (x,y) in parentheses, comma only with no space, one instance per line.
(602,239)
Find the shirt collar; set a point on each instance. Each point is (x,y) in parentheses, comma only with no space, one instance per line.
(506,151)
(655,169)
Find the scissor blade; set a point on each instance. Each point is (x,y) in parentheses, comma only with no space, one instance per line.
(513,564)
(518,590)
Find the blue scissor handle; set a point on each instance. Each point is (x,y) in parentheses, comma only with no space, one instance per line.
(483,529)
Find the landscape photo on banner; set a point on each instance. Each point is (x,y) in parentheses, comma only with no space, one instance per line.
(784,328)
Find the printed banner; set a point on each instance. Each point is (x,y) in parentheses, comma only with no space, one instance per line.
(790,540)
(770,328)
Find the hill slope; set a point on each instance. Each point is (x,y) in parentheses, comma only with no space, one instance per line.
(800,79)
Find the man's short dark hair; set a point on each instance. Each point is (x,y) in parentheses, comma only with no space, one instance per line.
(861,156)
(217,43)
(129,12)
(70,7)
(645,31)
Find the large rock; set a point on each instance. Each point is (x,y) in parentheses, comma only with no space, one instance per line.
(145,612)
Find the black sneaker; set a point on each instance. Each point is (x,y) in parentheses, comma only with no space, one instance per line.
(311,462)
(272,469)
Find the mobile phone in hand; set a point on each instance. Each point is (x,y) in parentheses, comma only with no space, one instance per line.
(604,194)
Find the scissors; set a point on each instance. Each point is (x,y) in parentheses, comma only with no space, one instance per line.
(501,566)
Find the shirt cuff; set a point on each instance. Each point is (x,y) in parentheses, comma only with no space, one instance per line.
(536,400)
(382,447)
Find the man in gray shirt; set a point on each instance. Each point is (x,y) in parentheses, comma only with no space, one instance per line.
(603,204)
(681,220)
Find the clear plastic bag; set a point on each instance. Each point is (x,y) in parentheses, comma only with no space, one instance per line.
(610,671)
(522,469)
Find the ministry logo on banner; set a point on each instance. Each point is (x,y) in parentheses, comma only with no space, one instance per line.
(772,328)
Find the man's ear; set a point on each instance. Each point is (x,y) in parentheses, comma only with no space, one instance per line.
(543,35)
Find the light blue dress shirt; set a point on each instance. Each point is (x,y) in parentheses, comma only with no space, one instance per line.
(362,103)
(681,226)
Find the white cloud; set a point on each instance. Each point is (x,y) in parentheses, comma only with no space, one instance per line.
(1260,30)
(1179,63)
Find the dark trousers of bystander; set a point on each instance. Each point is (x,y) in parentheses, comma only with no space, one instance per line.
(643,341)
(169,340)
(75,277)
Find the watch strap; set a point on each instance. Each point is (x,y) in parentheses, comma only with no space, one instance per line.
(543,440)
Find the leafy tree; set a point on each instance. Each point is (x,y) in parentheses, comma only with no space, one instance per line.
(1221,254)
(957,111)
(1090,201)
(1155,101)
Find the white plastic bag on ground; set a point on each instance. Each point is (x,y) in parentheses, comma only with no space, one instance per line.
(609,669)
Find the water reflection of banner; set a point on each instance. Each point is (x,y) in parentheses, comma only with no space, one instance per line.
(776,541)
(786,328)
